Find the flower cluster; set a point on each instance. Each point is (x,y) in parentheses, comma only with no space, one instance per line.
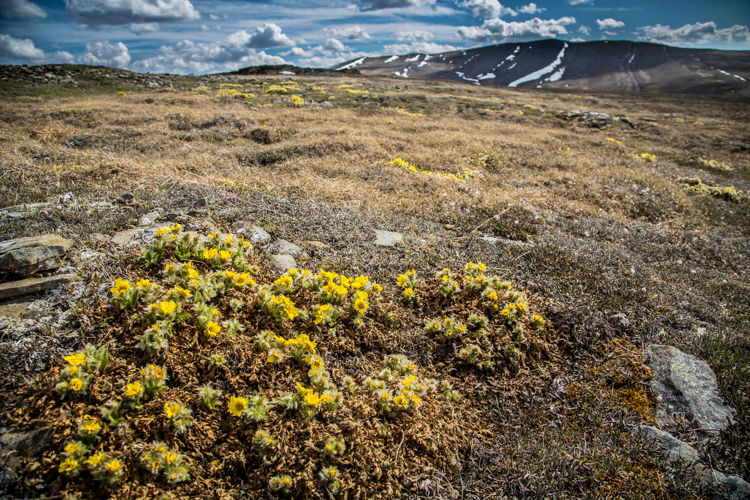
(253,408)
(647,157)
(157,458)
(715,164)
(78,457)
(397,388)
(179,416)
(408,281)
(728,193)
(75,377)
(405,165)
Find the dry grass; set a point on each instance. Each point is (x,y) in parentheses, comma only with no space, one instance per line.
(595,231)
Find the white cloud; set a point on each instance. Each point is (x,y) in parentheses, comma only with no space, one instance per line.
(531,8)
(141,28)
(297,52)
(584,30)
(97,13)
(580,2)
(334,45)
(24,49)
(187,56)
(21,8)
(488,9)
(214,17)
(268,35)
(497,30)
(609,24)
(392,4)
(106,54)
(351,33)
(694,33)
(414,36)
(421,47)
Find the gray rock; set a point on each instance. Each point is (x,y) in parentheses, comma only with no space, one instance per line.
(592,119)
(150,218)
(28,286)
(258,235)
(66,199)
(27,256)
(677,451)
(14,446)
(135,236)
(387,238)
(21,211)
(316,245)
(726,487)
(492,240)
(686,386)
(283,263)
(283,247)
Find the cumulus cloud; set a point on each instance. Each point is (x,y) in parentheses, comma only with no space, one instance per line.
(497,30)
(23,49)
(268,35)
(351,33)
(609,24)
(580,2)
(21,8)
(106,54)
(141,28)
(297,52)
(187,56)
(531,8)
(414,36)
(488,9)
(584,30)
(692,34)
(98,13)
(421,47)
(334,45)
(392,4)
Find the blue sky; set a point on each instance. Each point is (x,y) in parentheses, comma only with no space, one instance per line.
(201,36)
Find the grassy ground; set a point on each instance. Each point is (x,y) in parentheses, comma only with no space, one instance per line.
(609,244)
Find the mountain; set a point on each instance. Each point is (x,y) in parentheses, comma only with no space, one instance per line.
(608,66)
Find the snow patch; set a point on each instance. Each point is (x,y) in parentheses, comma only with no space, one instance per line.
(463,76)
(391,59)
(424,61)
(555,76)
(486,76)
(550,68)
(632,58)
(413,59)
(730,74)
(353,63)
(404,73)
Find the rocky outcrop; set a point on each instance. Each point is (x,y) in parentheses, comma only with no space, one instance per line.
(686,388)
(29,286)
(26,256)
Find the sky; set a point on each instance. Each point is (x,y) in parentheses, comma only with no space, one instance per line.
(206,36)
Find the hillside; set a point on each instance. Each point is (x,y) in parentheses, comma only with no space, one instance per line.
(604,66)
(313,286)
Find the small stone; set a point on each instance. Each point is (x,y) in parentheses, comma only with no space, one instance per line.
(316,245)
(29,255)
(33,285)
(258,235)
(149,218)
(388,238)
(677,451)
(283,263)
(126,198)
(135,235)
(686,386)
(283,247)
(66,199)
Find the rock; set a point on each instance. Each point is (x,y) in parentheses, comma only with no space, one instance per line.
(686,386)
(126,198)
(14,446)
(388,238)
(66,199)
(16,308)
(150,218)
(592,119)
(283,263)
(135,236)
(677,451)
(315,245)
(26,256)
(283,247)
(726,487)
(33,285)
(258,235)
(492,240)
(20,211)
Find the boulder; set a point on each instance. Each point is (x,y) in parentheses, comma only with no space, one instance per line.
(686,387)
(283,263)
(28,286)
(677,451)
(14,446)
(26,256)
(592,119)
(259,236)
(387,238)
(283,247)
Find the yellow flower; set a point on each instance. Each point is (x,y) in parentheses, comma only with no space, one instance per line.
(178,290)
(401,280)
(521,306)
(316,364)
(68,465)
(76,384)
(172,409)
(400,401)
(72,448)
(229,238)
(273,357)
(76,359)
(170,457)
(243,279)
(210,253)
(143,283)
(325,398)
(408,380)
(114,465)
(377,287)
(133,390)
(212,329)
(505,312)
(121,286)
(95,459)
(167,307)
(90,424)
(416,399)
(537,317)
(408,292)
(192,273)
(360,306)
(385,395)
(237,406)
(225,254)
(312,399)
(411,272)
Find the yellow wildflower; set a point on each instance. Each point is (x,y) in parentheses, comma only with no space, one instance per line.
(408,292)
(68,465)
(360,306)
(133,390)
(121,286)
(237,406)
(72,448)
(114,465)
(212,329)
(143,283)
(170,457)
(167,307)
(401,280)
(76,359)
(172,409)
(400,401)
(76,384)
(192,273)
(95,459)
(90,424)
(312,399)
(225,254)
(210,253)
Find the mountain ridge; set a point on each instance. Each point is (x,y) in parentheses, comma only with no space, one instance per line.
(608,65)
